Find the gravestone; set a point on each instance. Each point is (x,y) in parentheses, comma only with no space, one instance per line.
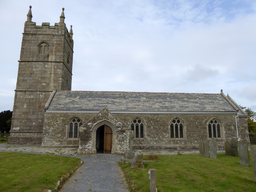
(233,146)
(206,148)
(152,180)
(253,154)
(243,153)
(227,148)
(138,159)
(213,148)
(201,147)
(129,154)
(131,136)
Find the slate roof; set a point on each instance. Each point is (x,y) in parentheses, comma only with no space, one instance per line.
(138,102)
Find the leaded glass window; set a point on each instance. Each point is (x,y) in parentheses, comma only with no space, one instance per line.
(214,129)
(74,125)
(138,128)
(176,128)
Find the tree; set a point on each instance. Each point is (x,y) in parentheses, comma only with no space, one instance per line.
(4,117)
(251,124)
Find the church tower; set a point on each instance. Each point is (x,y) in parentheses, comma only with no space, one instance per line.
(45,65)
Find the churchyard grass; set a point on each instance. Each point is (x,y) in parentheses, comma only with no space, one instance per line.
(33,172)
(192,173)
(3,139)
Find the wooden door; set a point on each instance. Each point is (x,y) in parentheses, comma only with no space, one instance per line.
(107,139)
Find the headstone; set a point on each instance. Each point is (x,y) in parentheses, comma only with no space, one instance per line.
(243,153)
(227,148)
(138,159)
(152,180)
(206,148)
(178,151)
(129,154)
(213,148)
(233,145)
(201,147)
(131,140)
(253,155)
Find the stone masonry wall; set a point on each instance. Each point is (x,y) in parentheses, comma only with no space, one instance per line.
(156,130)
(28,116)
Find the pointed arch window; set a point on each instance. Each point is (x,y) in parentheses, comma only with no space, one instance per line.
(43,48)
(138,128)
(74,125)
(214,129)
(176,128)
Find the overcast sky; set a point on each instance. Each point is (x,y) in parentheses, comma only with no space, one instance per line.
(187,46)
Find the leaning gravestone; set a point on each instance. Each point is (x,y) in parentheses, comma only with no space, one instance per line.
(233,145)
(253,154)
(138,159)
(243,153)
(213,148)
(228,148)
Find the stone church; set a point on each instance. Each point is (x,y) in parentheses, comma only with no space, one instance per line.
(47,112)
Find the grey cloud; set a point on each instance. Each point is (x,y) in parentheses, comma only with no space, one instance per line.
(200,73)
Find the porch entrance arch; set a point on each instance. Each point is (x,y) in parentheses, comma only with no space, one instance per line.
(104,139)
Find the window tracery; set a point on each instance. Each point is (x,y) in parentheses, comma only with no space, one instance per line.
(138,128)
(74,125)
(176,128)
(214,129)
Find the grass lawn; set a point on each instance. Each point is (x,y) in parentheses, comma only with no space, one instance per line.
(192,173)
(31,172)
(3,140)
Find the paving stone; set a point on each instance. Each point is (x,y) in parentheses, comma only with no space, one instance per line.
(100,173)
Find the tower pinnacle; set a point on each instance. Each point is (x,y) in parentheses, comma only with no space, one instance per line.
(71,32)
(62,16)
(29,15)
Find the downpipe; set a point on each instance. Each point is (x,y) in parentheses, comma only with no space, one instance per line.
(237,135)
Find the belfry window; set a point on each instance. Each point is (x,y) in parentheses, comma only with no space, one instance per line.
(176,128)
(138,128)
(74,125)
(214,129)
(43,49)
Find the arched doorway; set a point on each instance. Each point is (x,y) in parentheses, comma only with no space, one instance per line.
(104,139)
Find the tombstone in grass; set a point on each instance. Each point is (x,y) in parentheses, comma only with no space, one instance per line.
(213,148)
(152,180)
(129,154)
(201,147)
(233,146)
(227,148)
(243,153)
(138,159)
(206,148)
(253,155)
